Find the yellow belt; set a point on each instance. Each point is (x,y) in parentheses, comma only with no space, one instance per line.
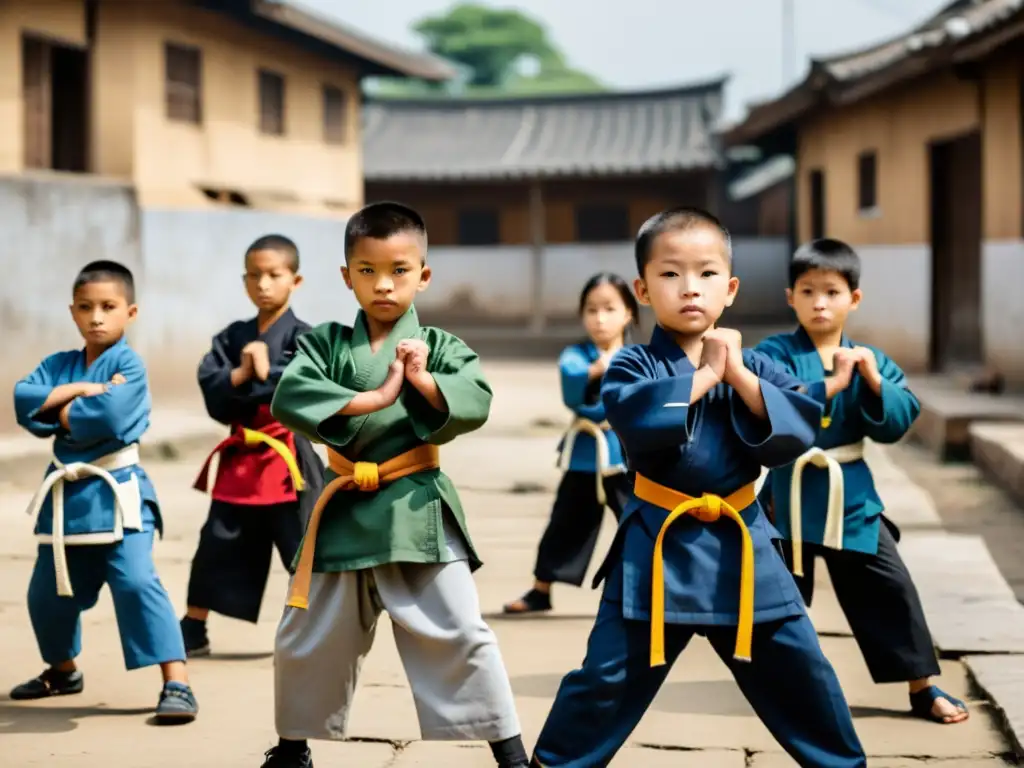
(597,431)
(708,509)
(361,475)
(829,459)
(254,437)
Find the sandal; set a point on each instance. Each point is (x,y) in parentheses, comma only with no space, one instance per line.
(533,601)
(921,704)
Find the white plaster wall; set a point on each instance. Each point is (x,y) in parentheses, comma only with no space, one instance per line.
(493,284)
(1002,308)
(896,311)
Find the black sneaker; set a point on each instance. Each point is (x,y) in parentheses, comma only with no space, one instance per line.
(50,683)
(177,704)
(193,632)
(276,757)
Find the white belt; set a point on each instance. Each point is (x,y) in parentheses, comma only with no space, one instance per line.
(829,459)
(126,509)
(604,468)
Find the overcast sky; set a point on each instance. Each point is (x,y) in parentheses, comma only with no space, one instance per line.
(650,43)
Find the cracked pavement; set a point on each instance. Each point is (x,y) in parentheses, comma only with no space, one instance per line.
(506,475)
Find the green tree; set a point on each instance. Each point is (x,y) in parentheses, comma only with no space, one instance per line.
(491,45)
(488,41)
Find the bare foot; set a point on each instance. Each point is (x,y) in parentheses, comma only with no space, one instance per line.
(949,712)
(533,601)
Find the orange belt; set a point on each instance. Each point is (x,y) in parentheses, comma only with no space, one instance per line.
(708,509)
(361,475)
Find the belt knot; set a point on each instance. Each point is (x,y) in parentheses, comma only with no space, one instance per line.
(710,508)
(366,475)
(74,472)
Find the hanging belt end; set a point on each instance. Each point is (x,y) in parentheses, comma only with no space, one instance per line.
(299,602)
(740,657)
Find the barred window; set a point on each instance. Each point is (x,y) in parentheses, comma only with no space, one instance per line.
(183,83)
(272,118)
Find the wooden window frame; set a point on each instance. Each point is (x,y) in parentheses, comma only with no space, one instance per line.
(867,183)
(335,125)
(183,89)
(817,203)
(271,124)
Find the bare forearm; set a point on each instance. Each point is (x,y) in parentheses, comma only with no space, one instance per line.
(364,403)
(427,386)
(833,387)
(60,396)
(376,399)
(240,375)
(874,382)
(748,387)
(704,380)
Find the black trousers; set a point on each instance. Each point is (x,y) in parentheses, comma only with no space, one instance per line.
(881,604)
(568,543)
(232,563)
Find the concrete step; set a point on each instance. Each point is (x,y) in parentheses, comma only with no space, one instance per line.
(1001,679)
(998,450)
(947,415)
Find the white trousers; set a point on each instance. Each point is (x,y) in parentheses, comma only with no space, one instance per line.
(450,655)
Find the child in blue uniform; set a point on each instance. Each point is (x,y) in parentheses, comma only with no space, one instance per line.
(594,471)
(97,509)
(826,503)
(698,416)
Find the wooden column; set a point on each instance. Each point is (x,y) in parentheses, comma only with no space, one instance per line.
(538,237)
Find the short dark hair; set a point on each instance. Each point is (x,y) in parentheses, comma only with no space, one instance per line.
(106,272)
(676,220)
(829,255)
(379,221)
(283,245)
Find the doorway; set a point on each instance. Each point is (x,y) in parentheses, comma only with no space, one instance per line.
(55,90)
(956,233)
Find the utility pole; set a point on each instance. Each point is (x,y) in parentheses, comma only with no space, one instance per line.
(788,42)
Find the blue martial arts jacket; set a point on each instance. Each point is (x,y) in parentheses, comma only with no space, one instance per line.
(853,415)
(101,426)
(716,446)
(583,397)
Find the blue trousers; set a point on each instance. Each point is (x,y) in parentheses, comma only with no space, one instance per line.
(790,684)
(150,633)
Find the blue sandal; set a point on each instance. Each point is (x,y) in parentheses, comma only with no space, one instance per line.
(921,704)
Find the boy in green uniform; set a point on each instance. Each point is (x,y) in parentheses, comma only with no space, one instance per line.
(388,532)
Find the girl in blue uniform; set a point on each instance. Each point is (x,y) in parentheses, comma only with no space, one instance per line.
(590,454)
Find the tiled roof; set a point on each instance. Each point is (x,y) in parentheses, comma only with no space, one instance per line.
(762,177)
(551,136)
(383,58)
(854,75)
(954,22)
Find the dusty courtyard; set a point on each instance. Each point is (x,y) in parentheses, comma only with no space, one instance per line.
(507,477)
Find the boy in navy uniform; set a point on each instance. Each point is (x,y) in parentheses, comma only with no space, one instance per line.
(694,553)
(267,477)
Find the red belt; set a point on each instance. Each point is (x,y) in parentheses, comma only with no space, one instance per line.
(257,465)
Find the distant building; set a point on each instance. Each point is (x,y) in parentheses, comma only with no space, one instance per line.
(168,135)
(526,197)
(911,150)
(252,103)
